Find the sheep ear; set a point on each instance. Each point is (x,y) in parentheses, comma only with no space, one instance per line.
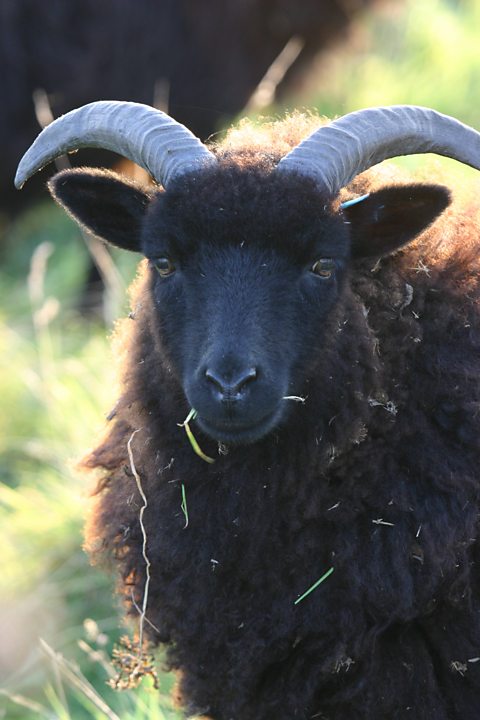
(102,203)
(383,221)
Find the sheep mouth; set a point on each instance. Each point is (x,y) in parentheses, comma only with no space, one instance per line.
(237,433)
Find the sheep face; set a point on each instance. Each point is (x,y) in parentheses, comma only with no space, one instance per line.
(247,271)
(244,281)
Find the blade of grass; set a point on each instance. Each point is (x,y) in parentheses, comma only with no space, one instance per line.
(184,506)
(61,712)
(75,679)
(314,586)
(21,701)
(196,447)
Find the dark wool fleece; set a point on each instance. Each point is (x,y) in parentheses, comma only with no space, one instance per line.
(376,476)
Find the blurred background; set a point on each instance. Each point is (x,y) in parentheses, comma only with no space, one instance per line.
(207,64)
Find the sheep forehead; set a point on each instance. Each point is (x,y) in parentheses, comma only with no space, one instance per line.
(231,204)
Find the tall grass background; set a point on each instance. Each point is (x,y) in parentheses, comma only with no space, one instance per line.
(58,616)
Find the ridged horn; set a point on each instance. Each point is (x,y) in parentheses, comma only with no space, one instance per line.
(147,136)
(336,153)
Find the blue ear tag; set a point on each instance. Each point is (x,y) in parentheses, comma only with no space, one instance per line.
(354,201)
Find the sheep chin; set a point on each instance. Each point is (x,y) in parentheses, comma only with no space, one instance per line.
(231,433)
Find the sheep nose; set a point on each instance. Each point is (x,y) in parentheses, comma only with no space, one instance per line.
(233,387)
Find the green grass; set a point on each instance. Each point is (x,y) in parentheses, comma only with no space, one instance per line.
(55,386)
(421,53)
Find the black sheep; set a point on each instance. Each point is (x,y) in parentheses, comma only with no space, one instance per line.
(333,358)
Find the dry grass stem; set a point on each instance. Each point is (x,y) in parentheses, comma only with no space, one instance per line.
(381,521)
(264,94)
(75,678)
(144,536)
(129,658)
(22,701)
(139,610)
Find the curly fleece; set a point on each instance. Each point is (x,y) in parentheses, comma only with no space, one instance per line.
(376,476)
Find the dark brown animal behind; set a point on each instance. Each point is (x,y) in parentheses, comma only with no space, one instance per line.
(207,56)
(368,479)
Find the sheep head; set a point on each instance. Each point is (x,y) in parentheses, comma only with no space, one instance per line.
(246,271)
(247,265)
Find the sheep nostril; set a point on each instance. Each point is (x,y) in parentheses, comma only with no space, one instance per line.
(231,388)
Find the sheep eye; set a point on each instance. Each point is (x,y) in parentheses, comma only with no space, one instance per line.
(324,267)
(164,266)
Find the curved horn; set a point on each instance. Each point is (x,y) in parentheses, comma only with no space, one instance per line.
(336,153)
(147,136)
